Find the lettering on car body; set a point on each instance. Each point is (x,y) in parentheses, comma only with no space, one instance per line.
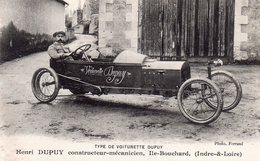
(112,75)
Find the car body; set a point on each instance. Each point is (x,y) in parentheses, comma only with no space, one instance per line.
(129,72)
(200,100)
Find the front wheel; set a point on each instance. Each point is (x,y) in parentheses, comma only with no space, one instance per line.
(191,100)
(230,88)
(45,84)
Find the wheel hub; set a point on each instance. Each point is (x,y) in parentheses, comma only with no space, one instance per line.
(44,84)
(199,101)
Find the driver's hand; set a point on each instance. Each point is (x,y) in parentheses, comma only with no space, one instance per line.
(67,49)
(64,55)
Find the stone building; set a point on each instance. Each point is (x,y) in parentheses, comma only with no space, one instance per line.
(231,32)
(118,25)
(34,16)
(86,11)
(83,17)
(77,17)
(247,30)
(89,8)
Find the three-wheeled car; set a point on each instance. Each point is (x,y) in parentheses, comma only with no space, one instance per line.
(201,100)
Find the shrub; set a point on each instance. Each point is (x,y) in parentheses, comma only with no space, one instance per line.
(16,43)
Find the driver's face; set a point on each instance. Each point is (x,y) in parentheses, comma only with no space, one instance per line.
(60,38)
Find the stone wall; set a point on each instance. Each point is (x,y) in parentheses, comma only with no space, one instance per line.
(118,26)
(247,31)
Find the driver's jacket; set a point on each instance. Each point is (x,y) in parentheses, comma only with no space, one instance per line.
(56,50)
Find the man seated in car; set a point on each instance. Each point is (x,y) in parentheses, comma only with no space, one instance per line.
(57,50)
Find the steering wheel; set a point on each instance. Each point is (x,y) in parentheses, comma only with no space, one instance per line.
(82,51)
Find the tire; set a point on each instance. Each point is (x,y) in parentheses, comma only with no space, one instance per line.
(77,91)
(230,88)
(191,100)
(45,84)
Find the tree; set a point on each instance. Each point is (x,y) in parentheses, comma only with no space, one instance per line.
(8,35)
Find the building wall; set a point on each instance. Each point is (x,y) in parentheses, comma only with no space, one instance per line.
(77,17)
(118,25)
(34,16)
(86,11)
(90,7)
(247,32)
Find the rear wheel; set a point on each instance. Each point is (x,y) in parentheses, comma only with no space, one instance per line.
(45,84)
(191,100)
(230,88)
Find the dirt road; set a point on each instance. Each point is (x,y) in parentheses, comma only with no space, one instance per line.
(118,117)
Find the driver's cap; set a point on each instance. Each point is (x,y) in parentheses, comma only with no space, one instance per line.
(59,32)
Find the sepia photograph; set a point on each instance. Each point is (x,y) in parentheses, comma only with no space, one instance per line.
(129,80)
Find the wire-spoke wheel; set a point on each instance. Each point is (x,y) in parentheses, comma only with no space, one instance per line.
(45,84)
(191,100)
(230,88)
